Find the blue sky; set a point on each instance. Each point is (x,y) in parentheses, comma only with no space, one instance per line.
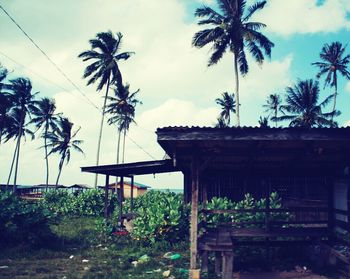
(176,86)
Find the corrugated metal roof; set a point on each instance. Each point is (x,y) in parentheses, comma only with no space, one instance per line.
(206,128)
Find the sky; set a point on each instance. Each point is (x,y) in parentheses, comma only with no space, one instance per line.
(176,86)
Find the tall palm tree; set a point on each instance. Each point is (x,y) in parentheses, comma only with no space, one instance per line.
(62,141)
(5,118)
(122,107)
(228,104)
(303,109)
(230,29)
(105,55)
(272,105)
(5,104)
(45,116)
(334,61)
(14,125)
(24,103)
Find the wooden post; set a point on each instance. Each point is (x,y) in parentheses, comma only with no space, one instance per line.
(132,194)
(106,198)
(194,271)
(331,215)
(227,265)
(204,256)
(267,212)
(218,257)
(121,193)
(267,216)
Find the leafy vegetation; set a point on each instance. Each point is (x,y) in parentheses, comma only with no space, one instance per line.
(160,216)
(247,203)
(23,222)
(85,203)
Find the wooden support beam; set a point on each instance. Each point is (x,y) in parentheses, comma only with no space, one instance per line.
(121,194)
(194,220)
(227,265)
(218,258)
(204,262)
(331,215)
(132,194)
(106,198)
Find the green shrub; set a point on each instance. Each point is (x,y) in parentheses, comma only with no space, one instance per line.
(160,216)
(59,201)
(21,221)
(85,203)
(247,203)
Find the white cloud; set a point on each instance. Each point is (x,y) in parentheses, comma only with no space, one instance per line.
(304,16)
(176,86)
(347,86)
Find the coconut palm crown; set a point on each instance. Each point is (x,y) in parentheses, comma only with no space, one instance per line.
(122,108)
(230,29)
(228,104)
(273,104)
(303,109)
(62,141)
(334,62)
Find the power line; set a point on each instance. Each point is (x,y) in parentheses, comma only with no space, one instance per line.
(48,58)
(35,73)
(62,72)
(141,147)
(40,76)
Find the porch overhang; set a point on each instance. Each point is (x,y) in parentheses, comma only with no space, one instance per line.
(132,169)
(258,150)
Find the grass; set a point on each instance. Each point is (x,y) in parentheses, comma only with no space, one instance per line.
(78,240)
(76,237)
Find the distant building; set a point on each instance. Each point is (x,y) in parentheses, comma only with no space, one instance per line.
(139,189)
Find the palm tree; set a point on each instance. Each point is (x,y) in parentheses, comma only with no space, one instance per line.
(104,68)
(5,104)
(45,116)
(122,107)
(62,141)
(272,105)
(230,29)
(221,123)
(228,105)
(14,125)
(303,109)
(5,118)
(24,103)
(334,61)
(264,122)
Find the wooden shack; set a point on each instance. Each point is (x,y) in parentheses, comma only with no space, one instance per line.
(309,168)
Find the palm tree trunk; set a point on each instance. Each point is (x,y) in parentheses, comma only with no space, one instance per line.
(118,152)
(237,88)
(101,128)
(46,157)
(336,93)
(124,145)
(118,145)
(59,171)
(18,150)
(276,117)
(12,163)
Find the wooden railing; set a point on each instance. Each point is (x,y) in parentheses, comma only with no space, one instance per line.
(272,217)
